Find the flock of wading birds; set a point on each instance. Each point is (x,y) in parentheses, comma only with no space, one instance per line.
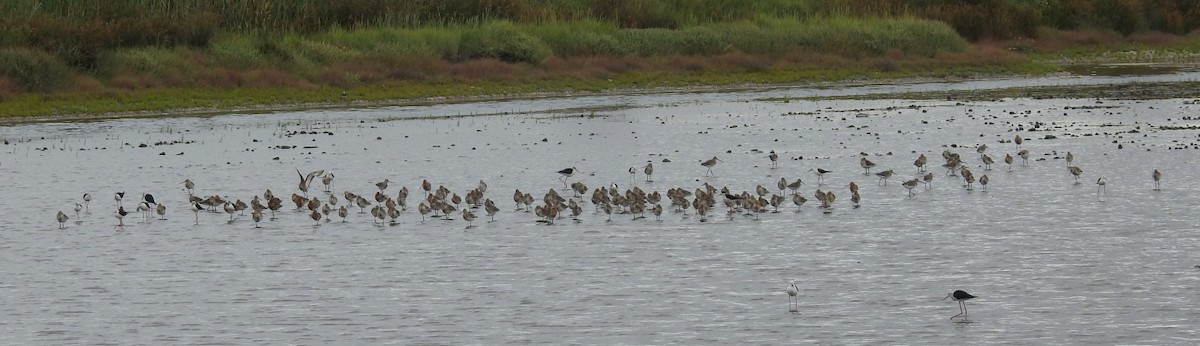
(442,203)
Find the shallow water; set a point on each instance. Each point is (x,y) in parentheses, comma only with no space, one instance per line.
(1050,261)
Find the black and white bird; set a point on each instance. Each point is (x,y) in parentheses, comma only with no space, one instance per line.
(566,173)
(118,197)
(820,174)
(196,208)
(793,293)
(120,214)
(87,202)
(144,208)
(961,297)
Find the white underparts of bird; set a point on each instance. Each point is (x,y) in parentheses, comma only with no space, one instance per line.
(793,295)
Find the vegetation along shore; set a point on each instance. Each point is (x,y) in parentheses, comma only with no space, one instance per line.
(107,58)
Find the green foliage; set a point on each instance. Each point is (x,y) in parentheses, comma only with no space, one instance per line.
(33,70)
(153,61)
(502,41)
(110,46)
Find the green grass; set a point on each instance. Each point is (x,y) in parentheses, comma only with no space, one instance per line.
(491,55)
(215,100)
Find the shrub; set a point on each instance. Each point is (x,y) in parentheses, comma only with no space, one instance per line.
(32,69)
(502,41)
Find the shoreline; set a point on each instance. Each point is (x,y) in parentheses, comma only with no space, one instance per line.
(1157,90)
(300,106)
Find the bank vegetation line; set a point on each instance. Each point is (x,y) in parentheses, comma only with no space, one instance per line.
(144,56)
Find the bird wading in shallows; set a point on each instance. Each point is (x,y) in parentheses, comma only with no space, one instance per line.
(961,297)
(793,299)
(709,164)
(566,173)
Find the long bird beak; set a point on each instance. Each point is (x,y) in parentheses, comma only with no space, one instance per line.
(947,296)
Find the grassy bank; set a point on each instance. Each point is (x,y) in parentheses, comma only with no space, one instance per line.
(486,59)
(147,56)
(211,100)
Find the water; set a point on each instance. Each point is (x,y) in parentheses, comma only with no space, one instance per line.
(1050,261)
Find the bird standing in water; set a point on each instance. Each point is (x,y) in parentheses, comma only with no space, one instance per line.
(793,293)
(961,297)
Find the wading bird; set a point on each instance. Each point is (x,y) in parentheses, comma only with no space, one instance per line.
(1157,176)
(564,174)
(961,297)
(196,208)
(469,217)
(62,219)
(257,216)
(910,185)
(303,185)
(866,165)
(709,164)
(120,215)
(1075,171)
(884,176)
(820,174)
(793,296)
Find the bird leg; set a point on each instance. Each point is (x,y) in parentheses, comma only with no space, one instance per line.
(962,310)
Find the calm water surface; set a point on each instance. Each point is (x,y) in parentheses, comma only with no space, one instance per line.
(1051,262)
